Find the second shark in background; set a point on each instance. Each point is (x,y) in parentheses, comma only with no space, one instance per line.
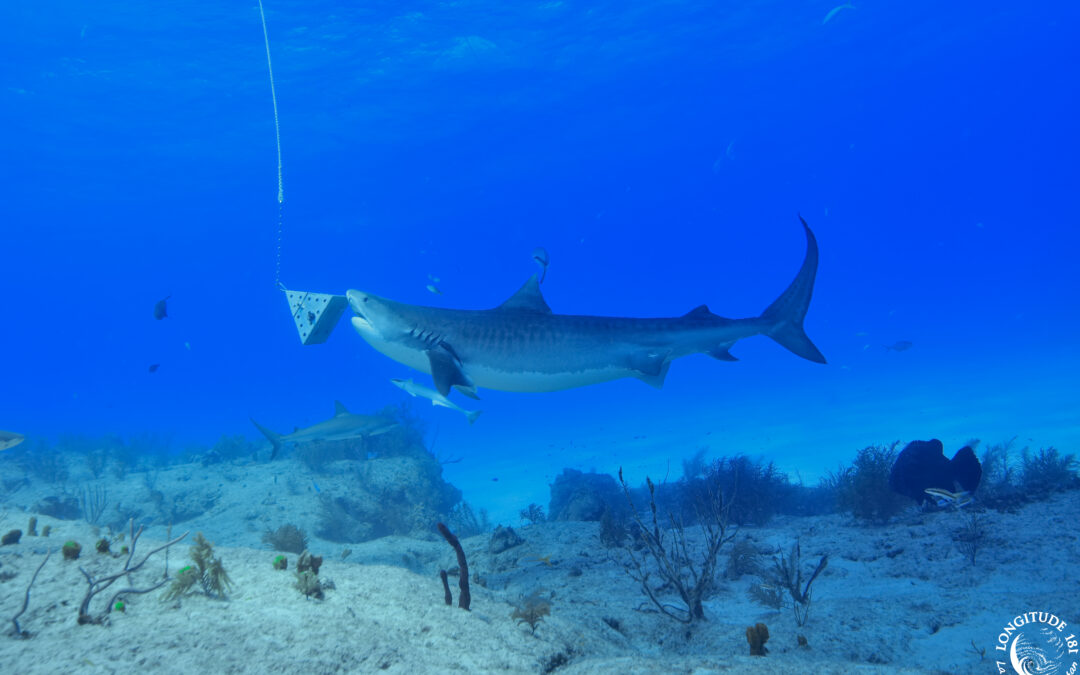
(343,425)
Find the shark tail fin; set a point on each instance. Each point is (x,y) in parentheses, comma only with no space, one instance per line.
(785,315)
(273,437)
(471,415)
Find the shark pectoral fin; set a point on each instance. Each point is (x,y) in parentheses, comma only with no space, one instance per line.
(382,430)
(527,299)
(651,368)
(446,373)
(340,409)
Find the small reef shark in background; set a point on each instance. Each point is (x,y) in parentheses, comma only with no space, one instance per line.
(343,425)
(9,439)
(414,389)
(522,346)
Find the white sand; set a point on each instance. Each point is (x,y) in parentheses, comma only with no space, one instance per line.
(893,599)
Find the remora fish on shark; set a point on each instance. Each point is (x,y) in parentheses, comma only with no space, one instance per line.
(343,425)
(522,346)
(414,389)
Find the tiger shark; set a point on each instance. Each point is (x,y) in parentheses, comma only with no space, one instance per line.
(343,425)
(523,346)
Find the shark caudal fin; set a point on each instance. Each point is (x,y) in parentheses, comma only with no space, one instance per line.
(274,438)
(471,415)
(785,315)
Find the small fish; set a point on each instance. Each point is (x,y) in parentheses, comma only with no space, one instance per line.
(159,309)
(433,279)
(946,498)
(9,439)
(154,367)
(316,486)
(540,255)
(836,10)
(434,290)
(542,559)
(901,346)
(187,345)
(861,333)
(923,472)
(414,389)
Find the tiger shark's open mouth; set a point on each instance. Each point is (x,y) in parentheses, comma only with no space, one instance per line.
(357,299)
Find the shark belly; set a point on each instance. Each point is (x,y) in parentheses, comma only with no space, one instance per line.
(524,372)
(535,381)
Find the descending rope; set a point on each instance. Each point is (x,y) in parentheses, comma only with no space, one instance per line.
(277,136)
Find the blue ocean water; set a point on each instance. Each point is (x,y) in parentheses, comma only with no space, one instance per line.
(659,151)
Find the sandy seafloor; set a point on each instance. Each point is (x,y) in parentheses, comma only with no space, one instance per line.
(894,599)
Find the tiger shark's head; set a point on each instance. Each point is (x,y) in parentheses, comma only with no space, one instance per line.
(376,317)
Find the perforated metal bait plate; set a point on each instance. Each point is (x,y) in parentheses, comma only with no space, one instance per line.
(315,314)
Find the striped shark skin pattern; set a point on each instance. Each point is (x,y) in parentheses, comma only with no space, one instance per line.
(522,346)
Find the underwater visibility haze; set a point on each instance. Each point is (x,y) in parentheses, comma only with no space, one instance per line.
(535,211)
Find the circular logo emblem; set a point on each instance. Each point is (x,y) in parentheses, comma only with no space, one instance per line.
(1037,643)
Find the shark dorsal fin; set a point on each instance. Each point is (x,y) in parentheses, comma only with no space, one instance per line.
(340,409)
(699,312)
(527,299)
